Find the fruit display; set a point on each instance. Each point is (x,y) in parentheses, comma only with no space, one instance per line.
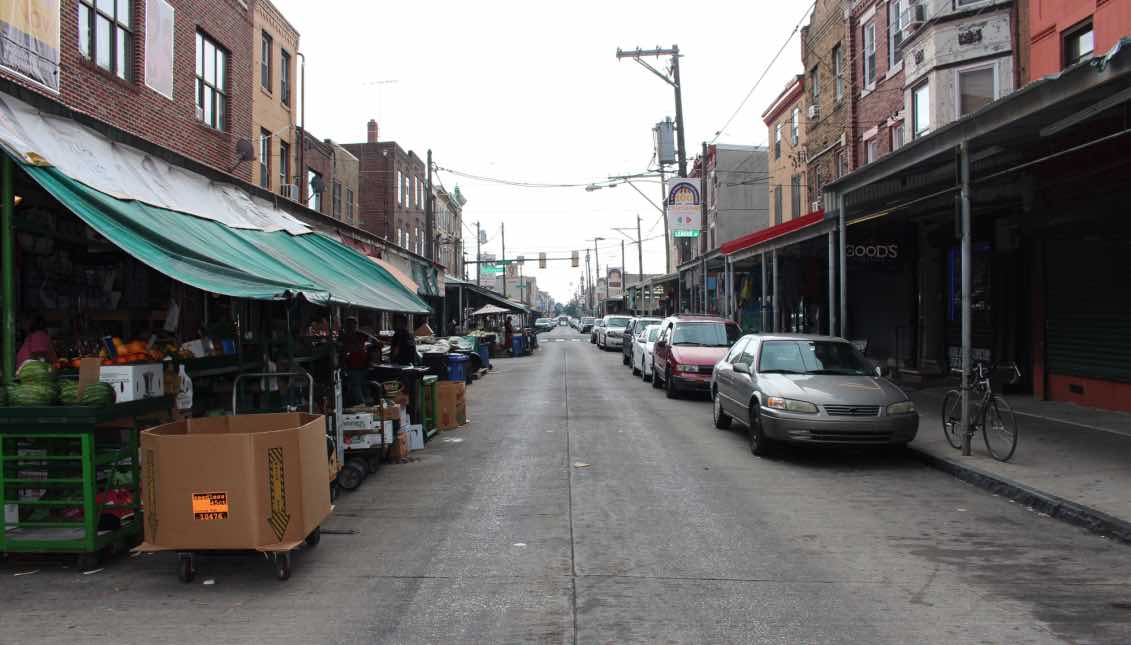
(33,394)
(38,387)
(32,372)
(95,394)
(129,353)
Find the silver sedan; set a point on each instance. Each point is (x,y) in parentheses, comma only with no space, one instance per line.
(808,389)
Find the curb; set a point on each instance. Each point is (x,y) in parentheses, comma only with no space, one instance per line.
(1051,505)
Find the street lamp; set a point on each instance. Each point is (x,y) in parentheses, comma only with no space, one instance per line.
(596,271)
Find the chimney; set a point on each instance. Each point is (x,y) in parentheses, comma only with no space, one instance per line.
(372,137)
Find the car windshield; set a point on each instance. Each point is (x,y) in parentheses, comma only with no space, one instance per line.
(811,357)
(617,322)
(705,334)
(586,321)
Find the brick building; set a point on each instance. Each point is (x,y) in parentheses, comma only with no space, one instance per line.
(273,105)
(317,172)
(877,100)
(448,209)
(342,188)
(391,189)
(159,86)
(826,54)
(787,170)
(1061,33)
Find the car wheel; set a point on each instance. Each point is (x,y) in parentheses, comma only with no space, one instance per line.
(722,419)
(624,359)
(655,379)
(669,388)
(759,444)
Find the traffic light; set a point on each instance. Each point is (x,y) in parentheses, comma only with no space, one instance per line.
(574,260)
(541,260)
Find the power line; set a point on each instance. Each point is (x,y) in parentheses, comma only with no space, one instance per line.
(763,74)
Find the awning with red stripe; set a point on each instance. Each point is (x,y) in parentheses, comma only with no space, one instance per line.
(759,237)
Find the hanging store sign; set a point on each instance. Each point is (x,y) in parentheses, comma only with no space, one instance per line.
(683,207)
(29,40)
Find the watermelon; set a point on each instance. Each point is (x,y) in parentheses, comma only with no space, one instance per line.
(32,394)
(34,371)
(68,392)
(98,395)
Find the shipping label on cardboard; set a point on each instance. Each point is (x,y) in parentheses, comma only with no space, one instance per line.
(210,506)
(150,480)
(277,493)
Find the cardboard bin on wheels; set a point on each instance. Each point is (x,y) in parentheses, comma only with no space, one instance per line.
(252,481)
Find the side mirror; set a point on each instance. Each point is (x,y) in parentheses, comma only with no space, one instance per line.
(879,371)
(742,368)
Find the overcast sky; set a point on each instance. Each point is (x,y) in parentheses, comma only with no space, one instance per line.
(531,92)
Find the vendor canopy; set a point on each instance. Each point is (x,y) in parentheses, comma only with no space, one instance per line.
(238,262)
(489,310)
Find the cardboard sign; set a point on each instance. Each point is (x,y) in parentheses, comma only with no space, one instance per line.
(90,370)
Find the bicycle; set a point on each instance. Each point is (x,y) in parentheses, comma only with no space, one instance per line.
(993,415)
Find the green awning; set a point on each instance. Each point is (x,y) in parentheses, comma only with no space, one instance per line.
(243,263)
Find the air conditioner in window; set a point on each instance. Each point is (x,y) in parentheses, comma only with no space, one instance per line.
(913,18)
(290,191)
(814,111)
(815,206)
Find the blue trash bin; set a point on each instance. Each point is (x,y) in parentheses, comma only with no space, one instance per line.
(484,353)
(457,367)
(518,344)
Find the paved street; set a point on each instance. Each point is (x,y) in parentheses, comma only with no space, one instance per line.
(673,533)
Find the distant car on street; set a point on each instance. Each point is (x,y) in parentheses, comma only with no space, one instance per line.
(563,321)
(687,350)
(630,333)
(596,329)
(544,325)
(611,333)
(642,347)
(808,389)
(586,324)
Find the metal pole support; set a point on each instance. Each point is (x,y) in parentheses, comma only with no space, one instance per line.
(964,174)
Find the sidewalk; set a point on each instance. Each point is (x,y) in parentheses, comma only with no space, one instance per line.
(1073,463)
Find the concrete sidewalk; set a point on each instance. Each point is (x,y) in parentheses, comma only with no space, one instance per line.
(1071,462)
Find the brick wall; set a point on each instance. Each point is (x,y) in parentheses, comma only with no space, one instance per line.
(877,109)
(1048,20)
(135,108)
(789,160)
(379,164)
(827,29)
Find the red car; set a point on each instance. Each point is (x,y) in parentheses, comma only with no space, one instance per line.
(687,350)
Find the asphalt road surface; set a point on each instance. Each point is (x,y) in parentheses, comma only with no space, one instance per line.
(581,506)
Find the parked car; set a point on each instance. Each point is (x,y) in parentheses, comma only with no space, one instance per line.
(586,324)
(808,389)
(563,321)
(612,332)
(544,324)
(687,350)
(642,348)
(635,326)
(597,325)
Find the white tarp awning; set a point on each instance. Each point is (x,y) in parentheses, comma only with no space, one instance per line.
(114,168)
(489,310)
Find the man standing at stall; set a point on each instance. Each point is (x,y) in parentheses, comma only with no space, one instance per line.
(355,359)
(403,343)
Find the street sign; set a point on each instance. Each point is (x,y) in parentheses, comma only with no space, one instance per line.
(683,207)
(490,269)
(541,260)
(691,233)
(574,259)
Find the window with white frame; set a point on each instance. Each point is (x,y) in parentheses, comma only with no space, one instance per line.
(266,51)
(105,34)
(871,150)
(349,205)
(284,77)
(795,125)
(976,87)
(838,73)
(211,82)
(840,168)
(815,84)
(1079,42)
(264,159)
(284,166)
(777,204)
(895,31)
(896,132)
(920,110)
(795,196)
(400,189)
(869,60)
(777,141)
(314,187)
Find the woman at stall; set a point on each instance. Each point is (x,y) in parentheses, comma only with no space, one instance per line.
(355,359)
(37,343)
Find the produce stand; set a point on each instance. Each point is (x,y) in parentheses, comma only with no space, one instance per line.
(76,463)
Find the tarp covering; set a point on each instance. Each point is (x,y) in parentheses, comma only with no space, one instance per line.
(406,281)
(243,263)
(118,170)
(489,310)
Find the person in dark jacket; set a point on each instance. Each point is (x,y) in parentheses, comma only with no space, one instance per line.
(403,343)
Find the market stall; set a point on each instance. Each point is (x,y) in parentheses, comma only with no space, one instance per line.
(138,299)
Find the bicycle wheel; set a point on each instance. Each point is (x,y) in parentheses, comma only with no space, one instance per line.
(999,429)
(952,418)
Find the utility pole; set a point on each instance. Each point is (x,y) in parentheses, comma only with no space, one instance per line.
(623,282)
(429,215)
(672,80)
(639,253)
(588,283)
(664,215)
(506,267)
(478,252)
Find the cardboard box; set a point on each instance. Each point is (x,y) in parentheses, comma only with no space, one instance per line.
(363,440)
(451,404)
(133,382)
(389,412)
(399,449)
(253,481)
(360,421)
